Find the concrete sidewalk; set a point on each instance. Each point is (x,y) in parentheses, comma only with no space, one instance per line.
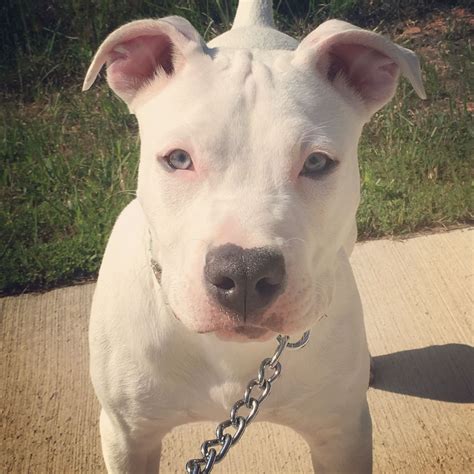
(417,296)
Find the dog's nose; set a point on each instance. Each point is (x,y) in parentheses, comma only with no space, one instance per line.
(244,280)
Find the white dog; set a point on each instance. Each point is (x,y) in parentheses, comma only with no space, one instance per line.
(247,194)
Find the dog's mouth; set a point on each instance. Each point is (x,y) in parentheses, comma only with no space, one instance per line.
(245,333)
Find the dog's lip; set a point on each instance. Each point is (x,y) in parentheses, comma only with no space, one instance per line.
(244,329)
(245,333)
(250,331)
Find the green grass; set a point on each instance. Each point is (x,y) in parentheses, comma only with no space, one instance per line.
(70,166)
(70,159)
(416,161)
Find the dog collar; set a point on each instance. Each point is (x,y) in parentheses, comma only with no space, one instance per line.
(155,266)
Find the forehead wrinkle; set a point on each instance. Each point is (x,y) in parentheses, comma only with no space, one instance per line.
(241,64)
(259,83)
(264,74)
(253,75)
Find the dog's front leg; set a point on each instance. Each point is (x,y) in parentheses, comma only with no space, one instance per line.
(343,444)
(128,449)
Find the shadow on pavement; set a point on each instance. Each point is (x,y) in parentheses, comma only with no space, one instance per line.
(444,373)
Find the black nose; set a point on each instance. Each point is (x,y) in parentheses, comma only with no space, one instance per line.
(244,280)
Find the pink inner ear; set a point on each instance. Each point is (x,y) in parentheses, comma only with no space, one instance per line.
(370,73)
(134,62)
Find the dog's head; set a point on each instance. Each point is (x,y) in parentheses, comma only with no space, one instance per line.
(248,173)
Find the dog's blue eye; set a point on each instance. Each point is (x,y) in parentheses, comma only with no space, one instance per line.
(316,164)
(179,160)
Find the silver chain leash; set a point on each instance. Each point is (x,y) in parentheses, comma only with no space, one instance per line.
(214,450)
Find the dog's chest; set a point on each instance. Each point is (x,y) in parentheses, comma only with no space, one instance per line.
(215,399)
(226,393)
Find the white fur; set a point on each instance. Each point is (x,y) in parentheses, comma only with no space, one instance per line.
(249,108)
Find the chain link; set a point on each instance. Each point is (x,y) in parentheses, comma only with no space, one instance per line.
(214,450)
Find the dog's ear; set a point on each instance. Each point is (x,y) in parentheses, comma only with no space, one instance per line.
(361,62)
(136,52)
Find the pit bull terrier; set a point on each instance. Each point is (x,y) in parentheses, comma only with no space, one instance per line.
(247,193)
